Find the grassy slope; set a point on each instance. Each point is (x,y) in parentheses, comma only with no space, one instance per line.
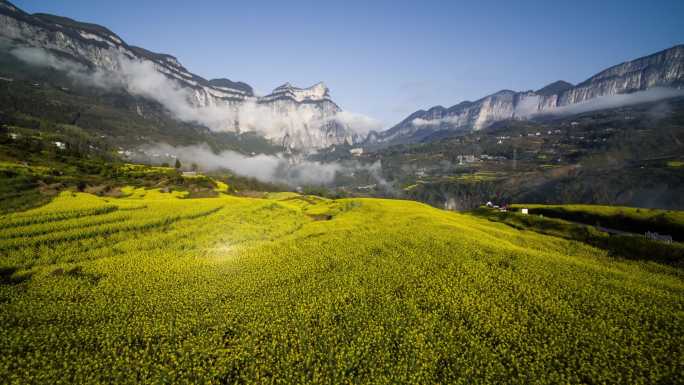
(155,288)
(627,245)
(631,219)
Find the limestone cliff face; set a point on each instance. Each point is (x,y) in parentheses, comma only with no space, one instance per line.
(663,69)
(303,118)
(97,47)
(309,117)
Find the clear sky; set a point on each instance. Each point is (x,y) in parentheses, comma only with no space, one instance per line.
(386,59)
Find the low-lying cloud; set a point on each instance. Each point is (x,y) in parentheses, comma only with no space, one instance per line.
(40,57)
(528,107)
(453,119)
(619,100)
(361,124)
(143,78)
(267,168)
(420,122)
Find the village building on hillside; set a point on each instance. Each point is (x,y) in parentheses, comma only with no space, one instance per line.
(356,151)
(466,159)
(658,237)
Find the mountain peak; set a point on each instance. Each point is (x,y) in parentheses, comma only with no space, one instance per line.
(316,92)
(78,25)
(554,88)
(504,92)
(227,83)
(289,86)
(7,5)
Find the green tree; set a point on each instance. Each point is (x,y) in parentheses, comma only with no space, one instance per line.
(178,164)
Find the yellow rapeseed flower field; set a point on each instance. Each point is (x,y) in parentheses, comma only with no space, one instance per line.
(154,287)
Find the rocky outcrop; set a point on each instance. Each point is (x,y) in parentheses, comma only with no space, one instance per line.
(309,117)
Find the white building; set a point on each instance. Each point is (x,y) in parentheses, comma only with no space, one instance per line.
(466,159)
(356,151)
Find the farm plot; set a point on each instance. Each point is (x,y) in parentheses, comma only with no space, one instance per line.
(158,288)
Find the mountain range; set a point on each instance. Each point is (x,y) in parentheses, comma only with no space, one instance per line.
(306,119)
(655,76)
(294,117)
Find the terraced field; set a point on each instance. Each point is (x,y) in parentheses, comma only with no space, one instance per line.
(293,289)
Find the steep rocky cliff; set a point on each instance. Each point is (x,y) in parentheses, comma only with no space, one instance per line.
(309,117)
(662,70)
(297,118)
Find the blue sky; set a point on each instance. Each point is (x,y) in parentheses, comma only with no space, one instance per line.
(386,59)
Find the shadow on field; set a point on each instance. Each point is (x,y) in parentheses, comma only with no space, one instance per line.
(320,217)
(8,276)
(78,273)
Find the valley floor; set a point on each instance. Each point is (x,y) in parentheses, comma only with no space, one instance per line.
(295,289)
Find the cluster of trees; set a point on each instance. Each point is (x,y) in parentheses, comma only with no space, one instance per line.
(178,165)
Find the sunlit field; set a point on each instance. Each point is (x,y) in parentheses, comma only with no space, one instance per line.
(154,287)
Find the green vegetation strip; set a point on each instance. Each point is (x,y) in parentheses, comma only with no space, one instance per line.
(629,219)
(27,220)
(631,246)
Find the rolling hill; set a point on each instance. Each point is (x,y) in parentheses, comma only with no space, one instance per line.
(156,287)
